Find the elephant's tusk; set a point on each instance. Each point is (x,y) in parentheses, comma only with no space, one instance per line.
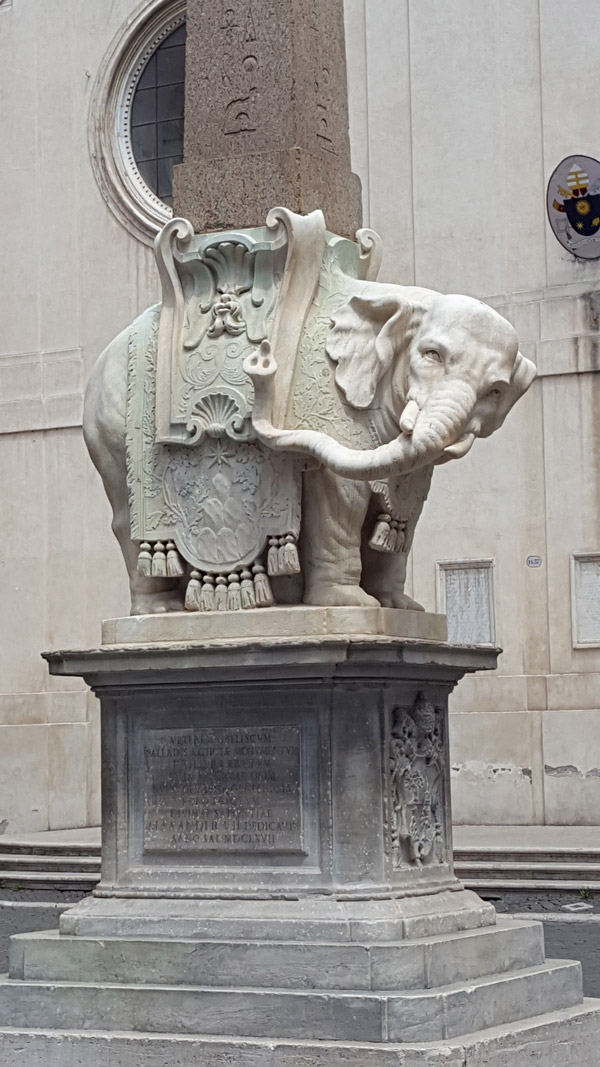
(409,417)
(460,447)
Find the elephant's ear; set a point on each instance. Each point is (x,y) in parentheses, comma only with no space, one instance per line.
(366,336)
(524,373)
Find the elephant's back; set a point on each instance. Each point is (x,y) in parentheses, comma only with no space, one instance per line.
(105,402)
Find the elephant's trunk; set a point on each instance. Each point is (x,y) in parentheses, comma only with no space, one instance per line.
(438,425)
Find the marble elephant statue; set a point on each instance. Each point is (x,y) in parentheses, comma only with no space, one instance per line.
(424,374)
(416,374)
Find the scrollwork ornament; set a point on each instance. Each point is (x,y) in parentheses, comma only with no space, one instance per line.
(371,253)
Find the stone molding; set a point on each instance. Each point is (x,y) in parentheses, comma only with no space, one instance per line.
(111,155)
(557,326)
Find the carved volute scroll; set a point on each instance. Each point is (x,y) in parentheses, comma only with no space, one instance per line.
(416,775)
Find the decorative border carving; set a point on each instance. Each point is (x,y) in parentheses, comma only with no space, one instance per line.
(120,182)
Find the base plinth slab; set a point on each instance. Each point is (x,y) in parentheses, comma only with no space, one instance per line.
(299,621)
(275,920)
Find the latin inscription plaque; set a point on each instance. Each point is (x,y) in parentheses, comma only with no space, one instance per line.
(223,789)
(586,613)
(468,604)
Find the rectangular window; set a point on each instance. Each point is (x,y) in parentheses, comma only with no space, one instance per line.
(585,599)
(465,593)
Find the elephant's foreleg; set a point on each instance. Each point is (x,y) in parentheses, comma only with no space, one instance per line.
(384,573)
(333,512)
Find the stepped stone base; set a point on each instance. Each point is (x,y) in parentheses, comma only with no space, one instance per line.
(559,1039)
(378,993)
(277,883)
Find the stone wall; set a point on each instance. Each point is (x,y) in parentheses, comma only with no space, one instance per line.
(489,100)
(459,113)
(70,277)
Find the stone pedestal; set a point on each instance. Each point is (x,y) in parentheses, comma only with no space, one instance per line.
(277,881)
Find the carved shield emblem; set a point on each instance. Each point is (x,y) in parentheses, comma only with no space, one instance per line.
(573,203)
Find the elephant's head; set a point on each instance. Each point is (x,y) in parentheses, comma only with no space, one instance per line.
(434,371)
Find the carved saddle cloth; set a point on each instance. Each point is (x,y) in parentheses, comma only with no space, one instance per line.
(203,490)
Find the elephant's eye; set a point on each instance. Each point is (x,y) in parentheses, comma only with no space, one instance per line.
(494,394)
(433,354)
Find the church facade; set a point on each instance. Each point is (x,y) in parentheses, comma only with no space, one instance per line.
(459,115)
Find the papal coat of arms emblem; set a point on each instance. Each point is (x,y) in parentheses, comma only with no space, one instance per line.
(573,203)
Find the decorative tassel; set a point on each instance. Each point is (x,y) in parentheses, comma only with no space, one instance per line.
(221,594)
(262,588)
(273,556)
(175,568)
(207,596)
(144,563)
(192,593)
(247,589)
(289,562)
(234,597)
(392,537)
(159,561)
(380,536)
(400,537)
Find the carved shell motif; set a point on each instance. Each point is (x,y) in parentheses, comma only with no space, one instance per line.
(219,415)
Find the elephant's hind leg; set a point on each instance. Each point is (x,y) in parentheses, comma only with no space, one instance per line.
(104,431)
(148,595)
(333,511)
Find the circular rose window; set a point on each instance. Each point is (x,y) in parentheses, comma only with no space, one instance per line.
(137,110)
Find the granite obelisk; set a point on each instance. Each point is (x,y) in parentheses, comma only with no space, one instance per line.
(266,115)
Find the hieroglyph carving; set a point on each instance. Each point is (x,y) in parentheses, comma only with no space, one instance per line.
(242,67)
(416,765)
